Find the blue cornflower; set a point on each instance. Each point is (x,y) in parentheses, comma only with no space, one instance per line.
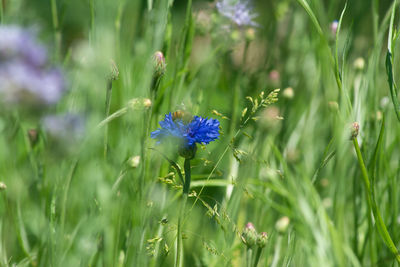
(238,11)
(198,130)
(25,75)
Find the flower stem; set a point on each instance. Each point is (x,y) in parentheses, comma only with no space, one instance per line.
(249,254)
(257,257)
(185,192)
(179,244)
(108,105)
(380,225)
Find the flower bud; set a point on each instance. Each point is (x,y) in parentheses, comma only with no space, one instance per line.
(159,63)
(134,161)
(359,63)
(147,103)
(250,34)
(288,93)
(282,224)
(2,186)
(33,136)
(334,26)
(355,127)
(333,105)
(114,73)
(262,239)
(249,235)
(187,152)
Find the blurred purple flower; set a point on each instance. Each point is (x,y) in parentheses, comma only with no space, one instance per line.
(67,127)
(239,11)
(19,44)
(24,76)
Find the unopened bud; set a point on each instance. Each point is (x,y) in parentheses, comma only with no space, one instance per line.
(282,224)
(355,127)
(250,34)
(334,26)
(147,103)
(159,63)
(2,186)
(33,136)
(249,235)
(288,93)
(114,74)
(134,161)
(359,63)
(274,75)
(262,239)
(333,105)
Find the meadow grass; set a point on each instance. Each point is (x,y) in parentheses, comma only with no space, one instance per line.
(313,164)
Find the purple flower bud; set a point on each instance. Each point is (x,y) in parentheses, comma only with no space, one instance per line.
(262,239)
(249,235)
(334,26)
(355,127)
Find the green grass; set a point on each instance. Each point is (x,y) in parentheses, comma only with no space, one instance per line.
(88,203)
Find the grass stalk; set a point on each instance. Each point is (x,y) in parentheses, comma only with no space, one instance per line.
(108,105)
(380,225)
(56,28)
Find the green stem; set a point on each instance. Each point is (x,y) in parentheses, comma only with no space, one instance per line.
(186,187)
(380,225)
(258,256)
(188,176)
(56,27)
(108,105)
(179,245)
(1,11)
(249,254)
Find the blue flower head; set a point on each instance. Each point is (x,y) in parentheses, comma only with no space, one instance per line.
(198,130)
(238,11)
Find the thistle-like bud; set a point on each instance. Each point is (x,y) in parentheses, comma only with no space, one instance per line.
(282,224)
(2,186)
(262,239)
(114,73)
(159,64)
(355,127)
(249,235)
